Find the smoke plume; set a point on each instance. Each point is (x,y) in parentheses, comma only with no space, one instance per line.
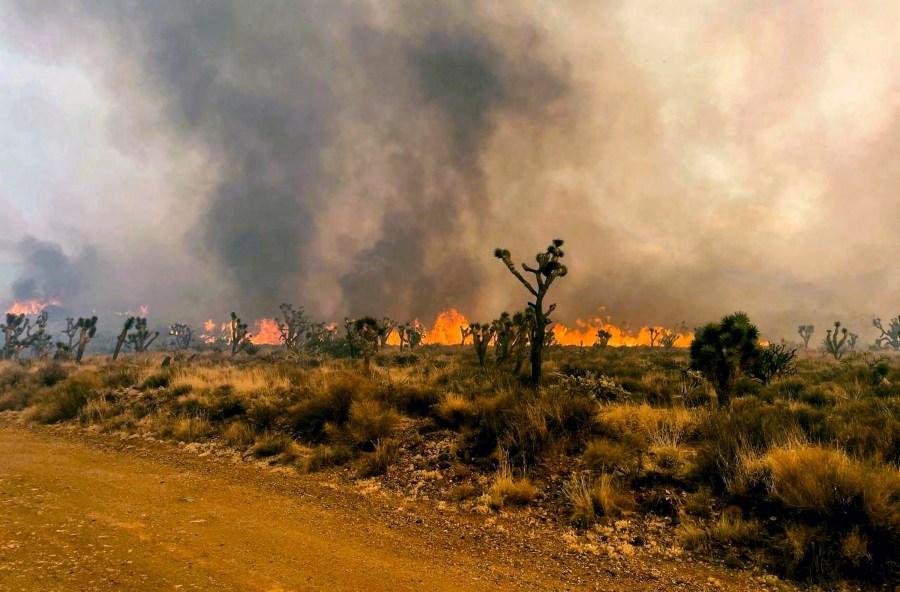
(366,157)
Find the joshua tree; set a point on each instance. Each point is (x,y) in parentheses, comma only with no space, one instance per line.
(834,346)
(352,339)
(410,334)
(806,332)
(522,323)
(890,337)
(368,330)
(239,337)
(39,340)
(293,326)
(670,336)
(123,336)
(141,338)
(387,327)
(482,333)
(502,329)
(464,332)
(655,334)
(181,335)
(723,351)
(854,337)
(603,337)
(548,269)
(15,333)
(87,328)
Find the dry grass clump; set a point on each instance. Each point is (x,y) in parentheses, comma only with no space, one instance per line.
(507,489)
(239,434)
(730,529)
(462,492)
(191,429)
(650,423)
(606,455)
(66,400)
(323,457)
(270,444)
(377,462)
(592,500)
(241,379)
(370,421)
(454,410)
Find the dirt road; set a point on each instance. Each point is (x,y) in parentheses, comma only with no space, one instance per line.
(78,515)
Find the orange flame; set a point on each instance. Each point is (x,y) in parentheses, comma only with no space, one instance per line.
(445,330)
(266,333)
(30,307)
(585,334)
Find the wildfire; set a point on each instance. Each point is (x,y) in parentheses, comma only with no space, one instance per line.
(30,307)
(445,330)
(267,332)
(585,334)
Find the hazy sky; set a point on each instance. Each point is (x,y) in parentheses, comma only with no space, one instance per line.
(366,157)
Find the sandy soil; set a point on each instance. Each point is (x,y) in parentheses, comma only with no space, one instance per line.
(90,512)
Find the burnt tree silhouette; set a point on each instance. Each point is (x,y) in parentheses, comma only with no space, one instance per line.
(548,269)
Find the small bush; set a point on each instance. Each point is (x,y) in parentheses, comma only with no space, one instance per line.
(454,410)
(307,419)
(413,400)
(591,501)
(506,489)
(270,444)
(323,457)
(371,421)
(191,429)
(67,399)
(239,435)
(52,373)
(607,456)
(377,462)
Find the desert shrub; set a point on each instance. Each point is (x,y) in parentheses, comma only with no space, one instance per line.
(160,379)
(454,410)
(223,403)
(265,413)
(307,419)
(191,429)
(270,444)
(723,351)
(462,492)
(774,360)
(413,400)
(52,373)
(323,457)
(377,462)
(507,489)
(239,434)
(608,456)
(370,421)
(67,399)
(120,375)
(592,500)
(729,529)
(843,511)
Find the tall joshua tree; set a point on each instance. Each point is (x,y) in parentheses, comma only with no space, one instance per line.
(86,328)
(805,332)
(123,336)
(464,333)
(387,327)
(834,346)
(548,269)
(293,326)
(481,337)
(368,330)
(181,335)
(141,338)
(889,337)
(239,336)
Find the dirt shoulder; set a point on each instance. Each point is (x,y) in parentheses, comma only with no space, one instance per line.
(91,512)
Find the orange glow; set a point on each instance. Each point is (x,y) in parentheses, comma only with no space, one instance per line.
(585,334)
(445,330)
(266,333)
(30,307)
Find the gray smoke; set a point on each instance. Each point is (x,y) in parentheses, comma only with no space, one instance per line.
(366,157)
